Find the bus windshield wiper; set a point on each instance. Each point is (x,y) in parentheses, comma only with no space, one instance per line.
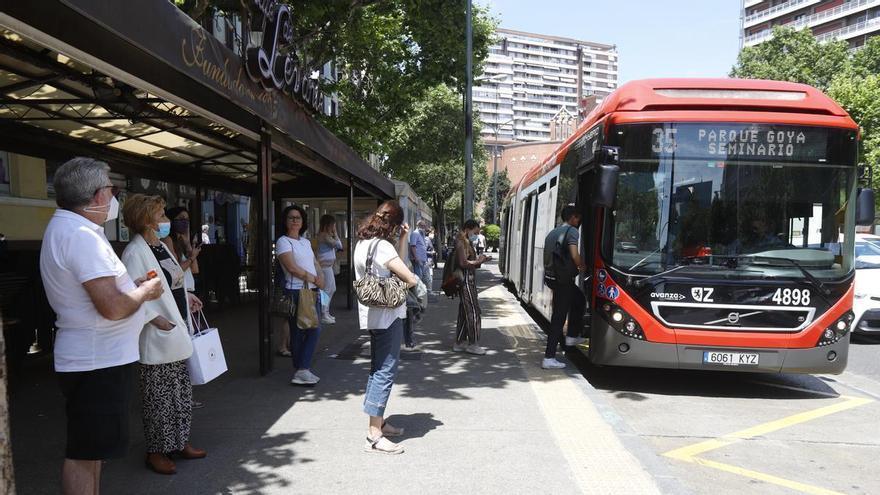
(640,283)
(824,291)
(732,262)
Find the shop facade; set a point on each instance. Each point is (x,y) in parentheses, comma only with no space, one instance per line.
(174,111)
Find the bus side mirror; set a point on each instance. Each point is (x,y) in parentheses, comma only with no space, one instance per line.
(865,207)
(607,173)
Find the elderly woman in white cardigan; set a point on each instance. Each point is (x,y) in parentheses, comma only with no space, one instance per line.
(165,342)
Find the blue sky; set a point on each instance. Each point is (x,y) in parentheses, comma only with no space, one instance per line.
(654,38)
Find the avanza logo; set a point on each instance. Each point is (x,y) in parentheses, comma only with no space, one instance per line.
(667,296)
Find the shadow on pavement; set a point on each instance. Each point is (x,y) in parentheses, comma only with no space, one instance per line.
(245,425)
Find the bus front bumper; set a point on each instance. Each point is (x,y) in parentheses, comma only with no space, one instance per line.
(610,348)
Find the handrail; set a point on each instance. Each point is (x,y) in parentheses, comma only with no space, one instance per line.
(775,9)
(848,29)
(806,21)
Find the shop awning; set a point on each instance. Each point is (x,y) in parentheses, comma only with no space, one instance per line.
(96,77)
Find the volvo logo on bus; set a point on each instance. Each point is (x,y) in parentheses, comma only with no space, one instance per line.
(733,318)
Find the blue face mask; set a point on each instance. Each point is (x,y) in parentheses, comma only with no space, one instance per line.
(164,230)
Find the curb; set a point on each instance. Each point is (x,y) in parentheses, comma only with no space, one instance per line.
(650,460)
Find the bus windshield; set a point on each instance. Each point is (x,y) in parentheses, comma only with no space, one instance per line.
(688,198)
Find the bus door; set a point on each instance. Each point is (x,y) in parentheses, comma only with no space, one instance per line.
(587,157)
(524,242)
(529,238)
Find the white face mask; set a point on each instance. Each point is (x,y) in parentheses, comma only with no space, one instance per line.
(112,209)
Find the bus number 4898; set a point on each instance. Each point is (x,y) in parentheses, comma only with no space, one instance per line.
(792,297)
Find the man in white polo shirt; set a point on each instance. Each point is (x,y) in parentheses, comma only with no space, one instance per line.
(99,320)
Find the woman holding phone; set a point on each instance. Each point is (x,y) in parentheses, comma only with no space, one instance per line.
(467,334)
(178,242)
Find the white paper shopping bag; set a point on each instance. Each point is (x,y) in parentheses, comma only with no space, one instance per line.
(207,361)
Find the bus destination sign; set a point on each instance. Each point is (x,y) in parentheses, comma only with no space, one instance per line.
(741,142)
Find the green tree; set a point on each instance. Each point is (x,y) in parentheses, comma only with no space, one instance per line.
(866,60)
(427,151)
(503,189)
(387,53)
(493,235)
(851,79)
(793,56)
(860,97)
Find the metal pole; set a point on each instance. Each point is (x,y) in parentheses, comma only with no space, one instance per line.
(495,182)
(264,247)
(350,288)
(467,208)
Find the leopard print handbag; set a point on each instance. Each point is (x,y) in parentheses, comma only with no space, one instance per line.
(379,292)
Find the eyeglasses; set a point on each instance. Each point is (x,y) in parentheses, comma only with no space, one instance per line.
(291,219)
(113,189)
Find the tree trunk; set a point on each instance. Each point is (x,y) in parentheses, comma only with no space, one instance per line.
(7,475)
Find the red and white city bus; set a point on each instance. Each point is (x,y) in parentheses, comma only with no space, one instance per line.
(718,218)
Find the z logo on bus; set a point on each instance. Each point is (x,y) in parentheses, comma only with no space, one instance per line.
(703,294)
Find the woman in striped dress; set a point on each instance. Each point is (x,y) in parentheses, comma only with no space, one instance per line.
(467,334)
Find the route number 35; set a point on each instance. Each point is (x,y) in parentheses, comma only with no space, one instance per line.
(791,297)
(664,140)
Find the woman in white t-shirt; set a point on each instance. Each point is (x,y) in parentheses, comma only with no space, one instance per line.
(301,272)
(386,236)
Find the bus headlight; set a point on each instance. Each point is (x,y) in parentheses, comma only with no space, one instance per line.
(621,321)
(836,330)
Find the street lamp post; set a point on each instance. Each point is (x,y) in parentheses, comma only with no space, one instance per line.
(467,207)
(495,181)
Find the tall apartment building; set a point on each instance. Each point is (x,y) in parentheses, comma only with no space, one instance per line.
(850,20)
(530,83)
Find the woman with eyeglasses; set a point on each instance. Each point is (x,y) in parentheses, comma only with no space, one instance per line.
(301,272)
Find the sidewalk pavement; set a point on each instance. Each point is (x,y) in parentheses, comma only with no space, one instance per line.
(485,424)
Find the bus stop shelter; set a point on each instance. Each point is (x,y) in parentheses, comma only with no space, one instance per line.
(147,89)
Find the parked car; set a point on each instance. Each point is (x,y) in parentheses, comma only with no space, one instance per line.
(866,303)
(627,247)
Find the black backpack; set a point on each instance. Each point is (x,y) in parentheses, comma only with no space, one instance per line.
(555,266)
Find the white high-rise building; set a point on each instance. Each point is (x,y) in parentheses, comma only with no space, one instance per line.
(530,78)
(853,21)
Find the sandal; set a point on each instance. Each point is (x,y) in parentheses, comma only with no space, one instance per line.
(382,445)
(391,431)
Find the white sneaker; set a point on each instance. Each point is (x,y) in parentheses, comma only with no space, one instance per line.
(313,376)
(552,364)
(328,315)
(475,349)
(459,347)
(573,341)
(411,348)
(327,320)
(304,377)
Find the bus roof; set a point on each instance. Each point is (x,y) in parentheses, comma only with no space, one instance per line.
(700,100)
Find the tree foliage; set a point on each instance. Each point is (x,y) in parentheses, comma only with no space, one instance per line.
(793,56)
(852,79)
(493,234)
(427,151)
(503,188)
(388,53)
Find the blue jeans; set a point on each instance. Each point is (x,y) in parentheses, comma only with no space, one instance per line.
(384,359)
(417,268)
(303,342)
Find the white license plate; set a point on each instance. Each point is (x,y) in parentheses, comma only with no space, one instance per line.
(730,358)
